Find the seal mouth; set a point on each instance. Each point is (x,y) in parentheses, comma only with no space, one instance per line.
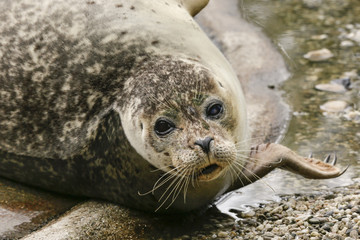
(209,172)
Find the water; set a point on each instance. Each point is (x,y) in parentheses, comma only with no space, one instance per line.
(293,26)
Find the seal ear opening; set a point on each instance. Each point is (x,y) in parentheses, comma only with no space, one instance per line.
(194,6)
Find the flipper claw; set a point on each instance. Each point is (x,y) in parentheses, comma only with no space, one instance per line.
(343,171)
(310,155)
(327,159)
(335,160)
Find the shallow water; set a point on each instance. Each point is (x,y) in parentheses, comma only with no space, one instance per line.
(295,26)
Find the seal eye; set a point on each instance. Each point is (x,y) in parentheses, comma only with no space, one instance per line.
(214,110)
(163,127)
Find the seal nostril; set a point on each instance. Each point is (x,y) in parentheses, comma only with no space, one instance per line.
(204,144)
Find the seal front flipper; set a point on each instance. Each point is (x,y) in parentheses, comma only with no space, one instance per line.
(266,157)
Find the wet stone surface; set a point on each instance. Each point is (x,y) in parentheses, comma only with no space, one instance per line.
(24,209)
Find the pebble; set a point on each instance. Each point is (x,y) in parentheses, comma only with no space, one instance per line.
(354,35)
(249,213)
(222,234)
(334,106)
(312,78)
(319,55)
(347,44)
(329,87)
(326,227)
(353,116)
(268,235)
(301,207)
(312,3)
(277,210)
(315,220)
(350,74)
(319,37)
(354,234)
(345,82)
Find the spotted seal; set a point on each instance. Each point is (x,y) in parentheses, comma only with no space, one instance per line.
(128,102)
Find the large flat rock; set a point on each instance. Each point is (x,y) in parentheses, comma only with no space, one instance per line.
(24,209)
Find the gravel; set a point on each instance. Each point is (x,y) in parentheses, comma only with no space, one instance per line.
(330,215)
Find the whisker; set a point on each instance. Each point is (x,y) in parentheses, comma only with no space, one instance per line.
(239,166)
(186,188)
(177,179)
(246,159)
(193,177)
(183,178)
(181,185)
(168,176)
(235,172)
(164,169)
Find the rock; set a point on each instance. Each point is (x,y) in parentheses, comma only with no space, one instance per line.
(337,88)
(319,37)
(268,235)
(260,227)
(354,35)
(347,44)
(326,227)
(222,234)
(312,78)
(334,106)
(337,85)
(354,234)
(350,74)
(346,82)
(352,116)
(312,3)
(277,210)
(319,55)
(316,220)
(349,26)
(301,207)
(247,214)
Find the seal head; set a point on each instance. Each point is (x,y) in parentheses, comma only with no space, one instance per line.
(179,116)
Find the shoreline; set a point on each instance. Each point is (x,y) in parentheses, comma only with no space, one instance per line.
(332,214)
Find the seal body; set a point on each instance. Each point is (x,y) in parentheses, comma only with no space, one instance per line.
(86,88)
(127,101)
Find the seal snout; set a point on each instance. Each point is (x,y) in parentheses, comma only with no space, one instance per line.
(204,144)
(212,170)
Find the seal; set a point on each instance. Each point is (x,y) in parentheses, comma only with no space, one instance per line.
(126,101)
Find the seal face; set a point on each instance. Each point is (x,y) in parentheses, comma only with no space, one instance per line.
(182,120)
(186,118)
